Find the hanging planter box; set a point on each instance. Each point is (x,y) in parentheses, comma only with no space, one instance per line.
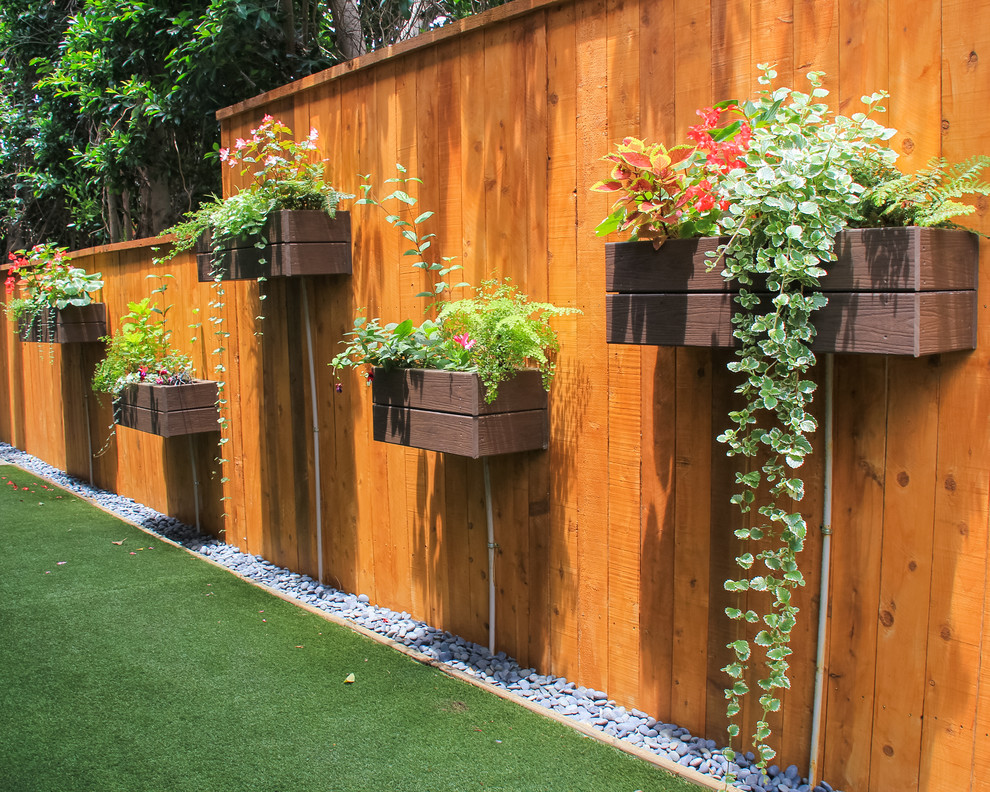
(893,291)
(446,411)
(73,324)
(300,242)
(169,410)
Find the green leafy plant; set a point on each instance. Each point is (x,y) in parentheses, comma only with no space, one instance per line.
(780,180)
(284,177)
(503,331)
(495,333)
(141,350)
(926,197)
(47,282)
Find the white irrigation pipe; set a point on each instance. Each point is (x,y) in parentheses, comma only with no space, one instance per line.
(195,472)
(491,556)
(89,435)
(317,485)
(816,717)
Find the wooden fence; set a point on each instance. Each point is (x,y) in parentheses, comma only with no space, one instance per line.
(613,545)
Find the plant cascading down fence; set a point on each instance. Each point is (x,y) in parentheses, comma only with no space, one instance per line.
(779,177)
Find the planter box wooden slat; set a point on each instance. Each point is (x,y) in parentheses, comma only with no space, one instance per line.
(300,242)
(897,291)
(446,411)
(890,323)
(75,324)
(169,410)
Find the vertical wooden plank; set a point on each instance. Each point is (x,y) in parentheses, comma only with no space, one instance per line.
(731,47)
(593,547)
(535,631)
(693,48)
(857,534)
(624,407)
(352,416)
(656,574)
(732,43)
(725,519)
(390,537)
(454,563)
(416,120)
(862,53)
(565,415)
(816,41)
(505,206)
(915,58)
(773,40)
(905,582)
(473,136)
(956,736)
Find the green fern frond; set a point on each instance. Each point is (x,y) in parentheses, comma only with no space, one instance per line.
(926,197)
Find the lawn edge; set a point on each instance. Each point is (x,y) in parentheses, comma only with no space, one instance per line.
(686,773)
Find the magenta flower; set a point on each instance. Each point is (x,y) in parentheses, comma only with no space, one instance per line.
(464,340)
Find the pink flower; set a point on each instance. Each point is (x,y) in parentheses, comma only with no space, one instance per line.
(313,134)
(464,340)
(224,153)
(142,372)
(240,143)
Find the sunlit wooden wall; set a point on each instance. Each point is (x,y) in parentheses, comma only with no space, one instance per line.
(613,545)
(47,406)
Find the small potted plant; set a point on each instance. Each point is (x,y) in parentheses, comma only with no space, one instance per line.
(55,304)
(284,224)
(152,383)
(473,380)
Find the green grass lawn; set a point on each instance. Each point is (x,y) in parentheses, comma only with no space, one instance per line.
(128,664)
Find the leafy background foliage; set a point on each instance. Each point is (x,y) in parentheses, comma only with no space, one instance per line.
(107,107)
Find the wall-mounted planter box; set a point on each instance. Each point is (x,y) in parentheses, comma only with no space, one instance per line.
(894,291)
(74,324)
(169,410)
(446,411)
(300,242)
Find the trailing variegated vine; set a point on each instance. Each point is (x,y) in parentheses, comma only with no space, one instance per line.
(781,176)
(795,193)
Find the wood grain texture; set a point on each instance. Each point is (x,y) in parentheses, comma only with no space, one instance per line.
(84,324)
(446,411)
(169,410)
(614,541)
(880,323)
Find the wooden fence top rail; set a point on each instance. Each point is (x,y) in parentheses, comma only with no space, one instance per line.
(511,10)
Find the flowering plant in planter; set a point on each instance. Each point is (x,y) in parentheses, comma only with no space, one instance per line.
(46,281)
(494,334)
(284,177)
(141,351)
(778,177)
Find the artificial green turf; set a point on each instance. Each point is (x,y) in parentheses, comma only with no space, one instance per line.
(128,664)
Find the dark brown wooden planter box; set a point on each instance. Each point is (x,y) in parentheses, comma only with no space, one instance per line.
(169,410)
(446,411)
(300,242)
(74,324)
(894,291)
